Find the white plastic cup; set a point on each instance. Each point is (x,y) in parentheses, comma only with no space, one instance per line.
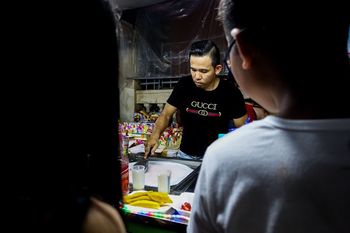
(138,177)
(164,181)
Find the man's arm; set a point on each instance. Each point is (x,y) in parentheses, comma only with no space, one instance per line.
(161,124)
(238,122)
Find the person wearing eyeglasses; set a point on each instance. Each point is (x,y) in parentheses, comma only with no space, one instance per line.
(290,171)
(207,104)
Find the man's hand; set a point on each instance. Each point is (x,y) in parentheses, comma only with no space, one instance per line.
(161,123)
(151,146)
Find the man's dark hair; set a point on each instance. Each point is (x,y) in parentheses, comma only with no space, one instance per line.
(294,34)
(206,47)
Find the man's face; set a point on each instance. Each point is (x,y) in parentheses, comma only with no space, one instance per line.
(202,71)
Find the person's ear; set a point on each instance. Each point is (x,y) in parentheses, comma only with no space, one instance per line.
(245,50)
(218,69)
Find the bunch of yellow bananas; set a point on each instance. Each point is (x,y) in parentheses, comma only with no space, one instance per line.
(148,199)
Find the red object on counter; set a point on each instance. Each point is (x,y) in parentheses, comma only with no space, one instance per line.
(186,206)
(125,176)
(124,162)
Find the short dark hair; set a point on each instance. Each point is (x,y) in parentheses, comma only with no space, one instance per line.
(282,15)
(206,47)
(292,33)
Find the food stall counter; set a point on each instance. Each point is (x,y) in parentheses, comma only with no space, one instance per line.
(170,216)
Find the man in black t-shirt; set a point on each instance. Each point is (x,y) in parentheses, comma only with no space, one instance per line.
(207,104)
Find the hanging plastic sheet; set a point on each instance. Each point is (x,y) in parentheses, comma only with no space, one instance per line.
(154,40)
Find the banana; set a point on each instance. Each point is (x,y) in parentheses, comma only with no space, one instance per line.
(160,197)
(146,203)
(129,200)
(148,199)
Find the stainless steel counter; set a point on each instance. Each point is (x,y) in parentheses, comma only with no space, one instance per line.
(188,183)
(191,163)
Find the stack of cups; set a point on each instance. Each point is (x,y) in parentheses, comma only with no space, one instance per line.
(138,177)
(164,181)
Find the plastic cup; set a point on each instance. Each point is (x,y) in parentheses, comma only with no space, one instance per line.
(138,177)
(164,181)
